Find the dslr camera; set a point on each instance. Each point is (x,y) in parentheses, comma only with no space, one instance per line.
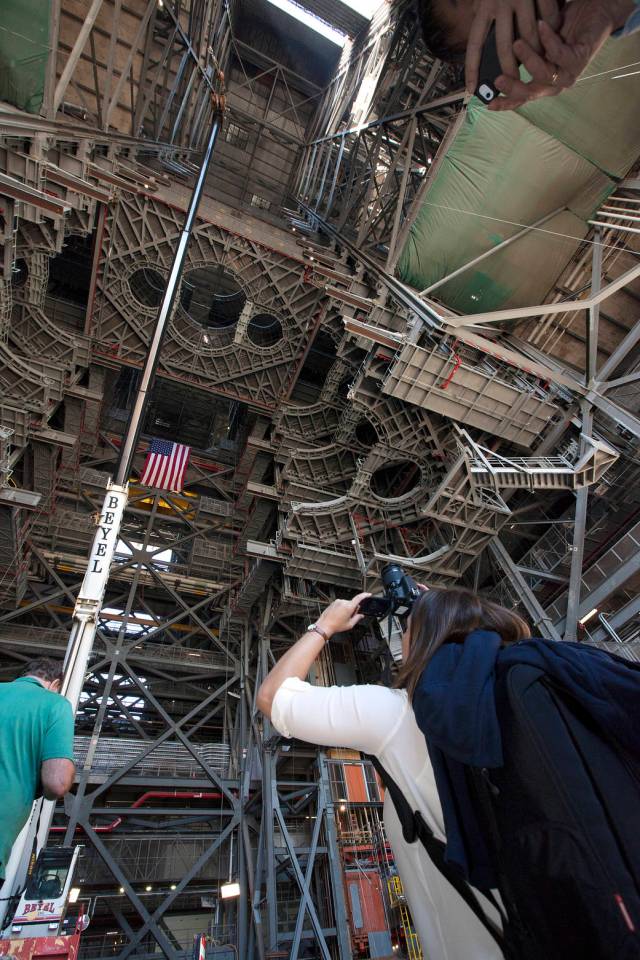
(400,594)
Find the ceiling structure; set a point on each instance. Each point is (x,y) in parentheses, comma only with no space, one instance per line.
(346,400)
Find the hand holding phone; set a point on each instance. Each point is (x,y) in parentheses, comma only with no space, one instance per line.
(489,69)
(501,23)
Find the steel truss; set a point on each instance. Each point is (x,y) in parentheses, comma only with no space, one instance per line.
(159,89)
(132,682)
(384,117)
(139,237)
(150,632)
(168,672)
(423,361)
(300,502)
(296,870)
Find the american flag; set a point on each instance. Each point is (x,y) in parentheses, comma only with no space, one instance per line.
(165,465)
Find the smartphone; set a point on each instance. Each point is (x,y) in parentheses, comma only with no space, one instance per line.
(375,607)
(490,68)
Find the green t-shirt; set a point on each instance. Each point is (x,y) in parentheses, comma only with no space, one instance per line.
(35,725)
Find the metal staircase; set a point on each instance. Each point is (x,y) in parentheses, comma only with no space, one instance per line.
(607,574)
(254,585)
(552,552)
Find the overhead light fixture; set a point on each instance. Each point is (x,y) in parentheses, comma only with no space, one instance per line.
(74,893)
(148,888)
(121,889)
(588,616)
(229,890)
(173,886)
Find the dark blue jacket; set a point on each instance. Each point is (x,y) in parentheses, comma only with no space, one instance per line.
(455,708)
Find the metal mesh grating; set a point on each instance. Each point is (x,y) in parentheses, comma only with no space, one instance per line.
(172,759)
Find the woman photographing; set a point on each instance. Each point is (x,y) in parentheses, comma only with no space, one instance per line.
(533,766)
(380,721)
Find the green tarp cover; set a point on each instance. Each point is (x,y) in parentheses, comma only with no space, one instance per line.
(508,170)
(24,47)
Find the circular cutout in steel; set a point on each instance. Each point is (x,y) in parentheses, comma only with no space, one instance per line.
(395,479)
(366,433)
(211,297)
(264,330)
(147,286)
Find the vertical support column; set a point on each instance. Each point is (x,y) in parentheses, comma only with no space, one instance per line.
(268,782)
(582,496)
(577,546)
(593,320)
(335,864)
(243,770)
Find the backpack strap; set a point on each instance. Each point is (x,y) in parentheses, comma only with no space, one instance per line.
(414,827)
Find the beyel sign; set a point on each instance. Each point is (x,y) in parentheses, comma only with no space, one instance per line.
(39,911)
(104,544)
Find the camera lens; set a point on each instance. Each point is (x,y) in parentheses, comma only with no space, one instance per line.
(391,574)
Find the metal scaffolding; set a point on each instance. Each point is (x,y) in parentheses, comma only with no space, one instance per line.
(337,420)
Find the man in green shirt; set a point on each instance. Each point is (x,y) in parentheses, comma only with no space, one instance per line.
(36,747)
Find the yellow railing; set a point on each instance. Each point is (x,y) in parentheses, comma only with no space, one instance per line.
(397,899)
(396,893)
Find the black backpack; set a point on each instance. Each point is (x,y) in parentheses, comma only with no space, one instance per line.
(561,820)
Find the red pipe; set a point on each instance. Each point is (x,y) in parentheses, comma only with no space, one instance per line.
(456,365)
(150,794)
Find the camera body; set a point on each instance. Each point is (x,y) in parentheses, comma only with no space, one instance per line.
(400,593)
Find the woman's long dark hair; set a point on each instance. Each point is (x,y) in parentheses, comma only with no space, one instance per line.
(447,616)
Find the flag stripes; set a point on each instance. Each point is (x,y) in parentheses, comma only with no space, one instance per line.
(165,465)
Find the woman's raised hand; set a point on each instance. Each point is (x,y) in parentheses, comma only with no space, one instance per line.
(341,615)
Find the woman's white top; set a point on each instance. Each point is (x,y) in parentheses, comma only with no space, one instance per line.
(380,721)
